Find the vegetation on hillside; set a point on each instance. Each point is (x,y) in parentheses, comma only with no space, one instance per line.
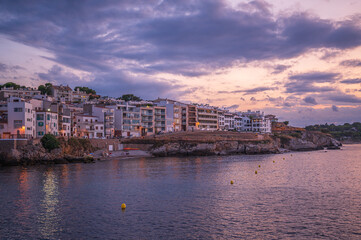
(130,97)
(86,89)
(49,142)
(45,89)
(11,84)
(346,131)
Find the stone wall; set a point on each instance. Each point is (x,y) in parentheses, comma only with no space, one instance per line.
(7,145)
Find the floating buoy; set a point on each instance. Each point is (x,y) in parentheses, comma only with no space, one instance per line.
(259,166)
(123,206)
(232,182)
(291,155)
(283,158)
(273,161)
(255,172)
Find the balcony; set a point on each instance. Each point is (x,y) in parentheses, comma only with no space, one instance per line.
(160,119)
(109,114)
(147,119)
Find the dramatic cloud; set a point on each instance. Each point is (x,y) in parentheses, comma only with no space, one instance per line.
(343,98)
(116,83)
(316,77)
(351,63)
(168,36)
(251,91)
(7,68)
(280,68)
(334,108)
(310,100)
(305,82)
(351,81)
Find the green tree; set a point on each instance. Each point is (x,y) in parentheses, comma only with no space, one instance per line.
(49,142)
(10,84)
(286,123)
(86,89)
(130,97)
(45,89)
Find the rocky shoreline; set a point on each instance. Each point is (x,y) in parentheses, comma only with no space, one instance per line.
(307,141)
(176,144)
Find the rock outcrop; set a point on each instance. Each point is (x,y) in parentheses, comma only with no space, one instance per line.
(302,141)
(32,154)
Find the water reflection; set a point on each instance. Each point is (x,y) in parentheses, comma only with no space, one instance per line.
(306,196)
(49,218)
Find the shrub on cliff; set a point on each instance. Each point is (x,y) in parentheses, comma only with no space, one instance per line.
(49,142)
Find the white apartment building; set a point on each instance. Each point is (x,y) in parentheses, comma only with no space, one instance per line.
(221,125)
(87,126)
(176,114)
(105,115)
(62,93)
(46,123)
(79,96)
(228,121)
(160,119)
(25,93)
(20,119)
(207,117)
(238,123)
(131,124)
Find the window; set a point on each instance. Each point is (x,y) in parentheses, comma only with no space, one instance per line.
(18,109)
(29,119)
(1,126)
(29,128)
(54,124)
(39,117)
(40,124)
(48,116)
(40,133)
(18,123)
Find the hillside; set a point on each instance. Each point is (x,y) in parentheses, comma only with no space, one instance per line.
(345,133)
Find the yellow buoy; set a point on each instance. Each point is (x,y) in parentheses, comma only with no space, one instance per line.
(273,161)
(259,166)
(232,182)
(283,158)
(123,206)
(255,172)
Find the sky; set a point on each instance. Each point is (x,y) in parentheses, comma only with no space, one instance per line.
(299,60)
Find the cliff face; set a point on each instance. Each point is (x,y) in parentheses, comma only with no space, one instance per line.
(29,154)
(184,148)
(304,141)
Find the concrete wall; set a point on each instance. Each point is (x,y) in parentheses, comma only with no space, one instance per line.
(6,145)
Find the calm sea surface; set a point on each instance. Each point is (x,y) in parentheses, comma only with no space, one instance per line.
(314,195)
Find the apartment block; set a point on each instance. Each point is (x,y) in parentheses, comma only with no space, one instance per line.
(105,115)
(46,123)
(207,117)
(191,118)
(62,93)
(25,93)
(159,119)
(20,119)
(87,126)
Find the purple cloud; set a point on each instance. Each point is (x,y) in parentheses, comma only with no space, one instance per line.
(169,36)
(351,63)
(310,100)
(351,81)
